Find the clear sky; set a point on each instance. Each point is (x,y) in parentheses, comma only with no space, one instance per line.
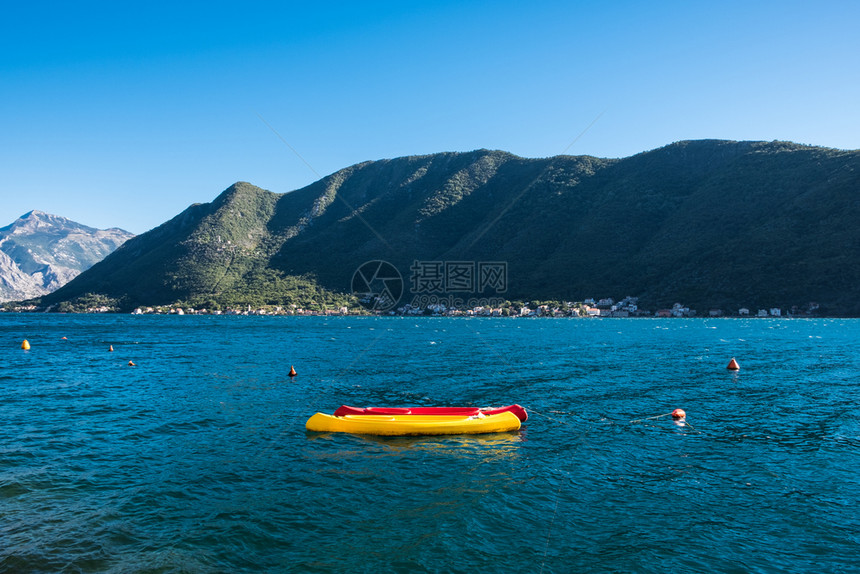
(123,114)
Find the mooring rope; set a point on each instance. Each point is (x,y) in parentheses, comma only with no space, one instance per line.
(531,411)
(651,418)
(549,529)
(681,421)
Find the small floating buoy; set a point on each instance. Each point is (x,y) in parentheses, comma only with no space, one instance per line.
(64,339)
(293,372)
(110,348)
(733,365)
(25,345)
(131,364)
(678,414)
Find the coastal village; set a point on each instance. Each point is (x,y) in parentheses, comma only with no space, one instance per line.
(602,308)
(589,308)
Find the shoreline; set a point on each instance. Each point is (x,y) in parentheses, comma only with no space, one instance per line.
(424,315)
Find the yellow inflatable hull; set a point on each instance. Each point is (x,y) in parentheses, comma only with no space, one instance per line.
(401,425)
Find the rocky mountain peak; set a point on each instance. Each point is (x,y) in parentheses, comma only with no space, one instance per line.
(42,252)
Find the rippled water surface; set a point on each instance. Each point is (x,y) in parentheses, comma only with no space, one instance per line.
(197,459)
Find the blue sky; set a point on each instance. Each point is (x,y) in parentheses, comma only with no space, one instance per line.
(118,114)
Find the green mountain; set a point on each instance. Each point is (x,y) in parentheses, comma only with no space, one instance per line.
(710,224)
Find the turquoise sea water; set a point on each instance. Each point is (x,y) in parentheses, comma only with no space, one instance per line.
(197,459)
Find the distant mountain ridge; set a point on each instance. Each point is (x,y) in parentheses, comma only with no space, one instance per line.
(708,223)
(40,252)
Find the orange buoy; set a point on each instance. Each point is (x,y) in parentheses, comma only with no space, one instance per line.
(131,364)
(110,348)
(25,345)
(65,338)
(678,414)
(733,365)
(293,372)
